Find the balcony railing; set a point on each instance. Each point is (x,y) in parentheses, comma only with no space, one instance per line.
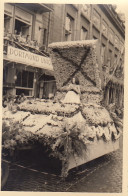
(23,43)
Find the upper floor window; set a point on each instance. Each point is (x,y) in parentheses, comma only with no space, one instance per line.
(111,35)
(7,20)
(110,54)
(95,37)
(23,22)
(104,28)
(115,59)
(96,19)
(116,42)
(86,10)
(69,28)
(102,54)
(84,33)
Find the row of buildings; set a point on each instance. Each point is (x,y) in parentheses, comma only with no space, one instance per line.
(30,27)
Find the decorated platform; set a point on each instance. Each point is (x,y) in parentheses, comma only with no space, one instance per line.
(74,127)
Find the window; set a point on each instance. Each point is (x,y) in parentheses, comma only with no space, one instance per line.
(95,37)
(116,42)
(86,10)
(96,19)
(21,27)
(24,79)
(25,91)
(83,33)
(104,28)
(23,22)
(69,28)
(6,23)
(111,35)
(102,54)
(23,16)
(110,57)
(115,59)
(5,73)
(45,37)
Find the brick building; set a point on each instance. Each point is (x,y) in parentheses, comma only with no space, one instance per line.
(65,22)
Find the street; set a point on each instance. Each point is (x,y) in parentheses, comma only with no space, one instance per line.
(101,175)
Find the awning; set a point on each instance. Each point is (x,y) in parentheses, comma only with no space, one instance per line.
(39,7)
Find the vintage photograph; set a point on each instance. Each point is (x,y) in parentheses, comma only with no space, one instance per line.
(62,97)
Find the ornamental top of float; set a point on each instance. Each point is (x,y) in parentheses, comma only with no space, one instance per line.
(70,44)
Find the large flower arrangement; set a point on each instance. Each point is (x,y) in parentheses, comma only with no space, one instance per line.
(79,59)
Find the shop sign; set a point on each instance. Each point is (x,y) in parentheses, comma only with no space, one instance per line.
(29,58)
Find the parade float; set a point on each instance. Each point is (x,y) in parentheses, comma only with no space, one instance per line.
(73,127)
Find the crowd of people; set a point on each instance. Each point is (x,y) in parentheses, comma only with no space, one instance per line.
(20,38)
(11,102)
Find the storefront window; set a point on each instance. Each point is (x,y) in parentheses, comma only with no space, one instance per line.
(5,73)
(24,91)
(24,79)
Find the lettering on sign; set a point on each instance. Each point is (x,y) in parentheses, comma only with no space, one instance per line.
(25,57)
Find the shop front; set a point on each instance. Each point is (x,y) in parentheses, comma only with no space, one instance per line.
(28,73)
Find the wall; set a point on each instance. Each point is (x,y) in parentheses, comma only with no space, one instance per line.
(85,17)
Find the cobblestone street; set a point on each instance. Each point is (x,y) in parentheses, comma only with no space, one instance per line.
(101,175)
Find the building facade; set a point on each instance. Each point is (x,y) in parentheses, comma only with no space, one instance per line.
(70,22)
(81,22)
(92,21)
(26,63)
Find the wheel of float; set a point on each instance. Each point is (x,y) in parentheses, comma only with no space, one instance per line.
(4,173)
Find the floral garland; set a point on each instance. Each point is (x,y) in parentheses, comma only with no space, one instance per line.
(13,135)
(50,108)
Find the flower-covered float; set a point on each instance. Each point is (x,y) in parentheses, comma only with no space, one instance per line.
(74,128)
